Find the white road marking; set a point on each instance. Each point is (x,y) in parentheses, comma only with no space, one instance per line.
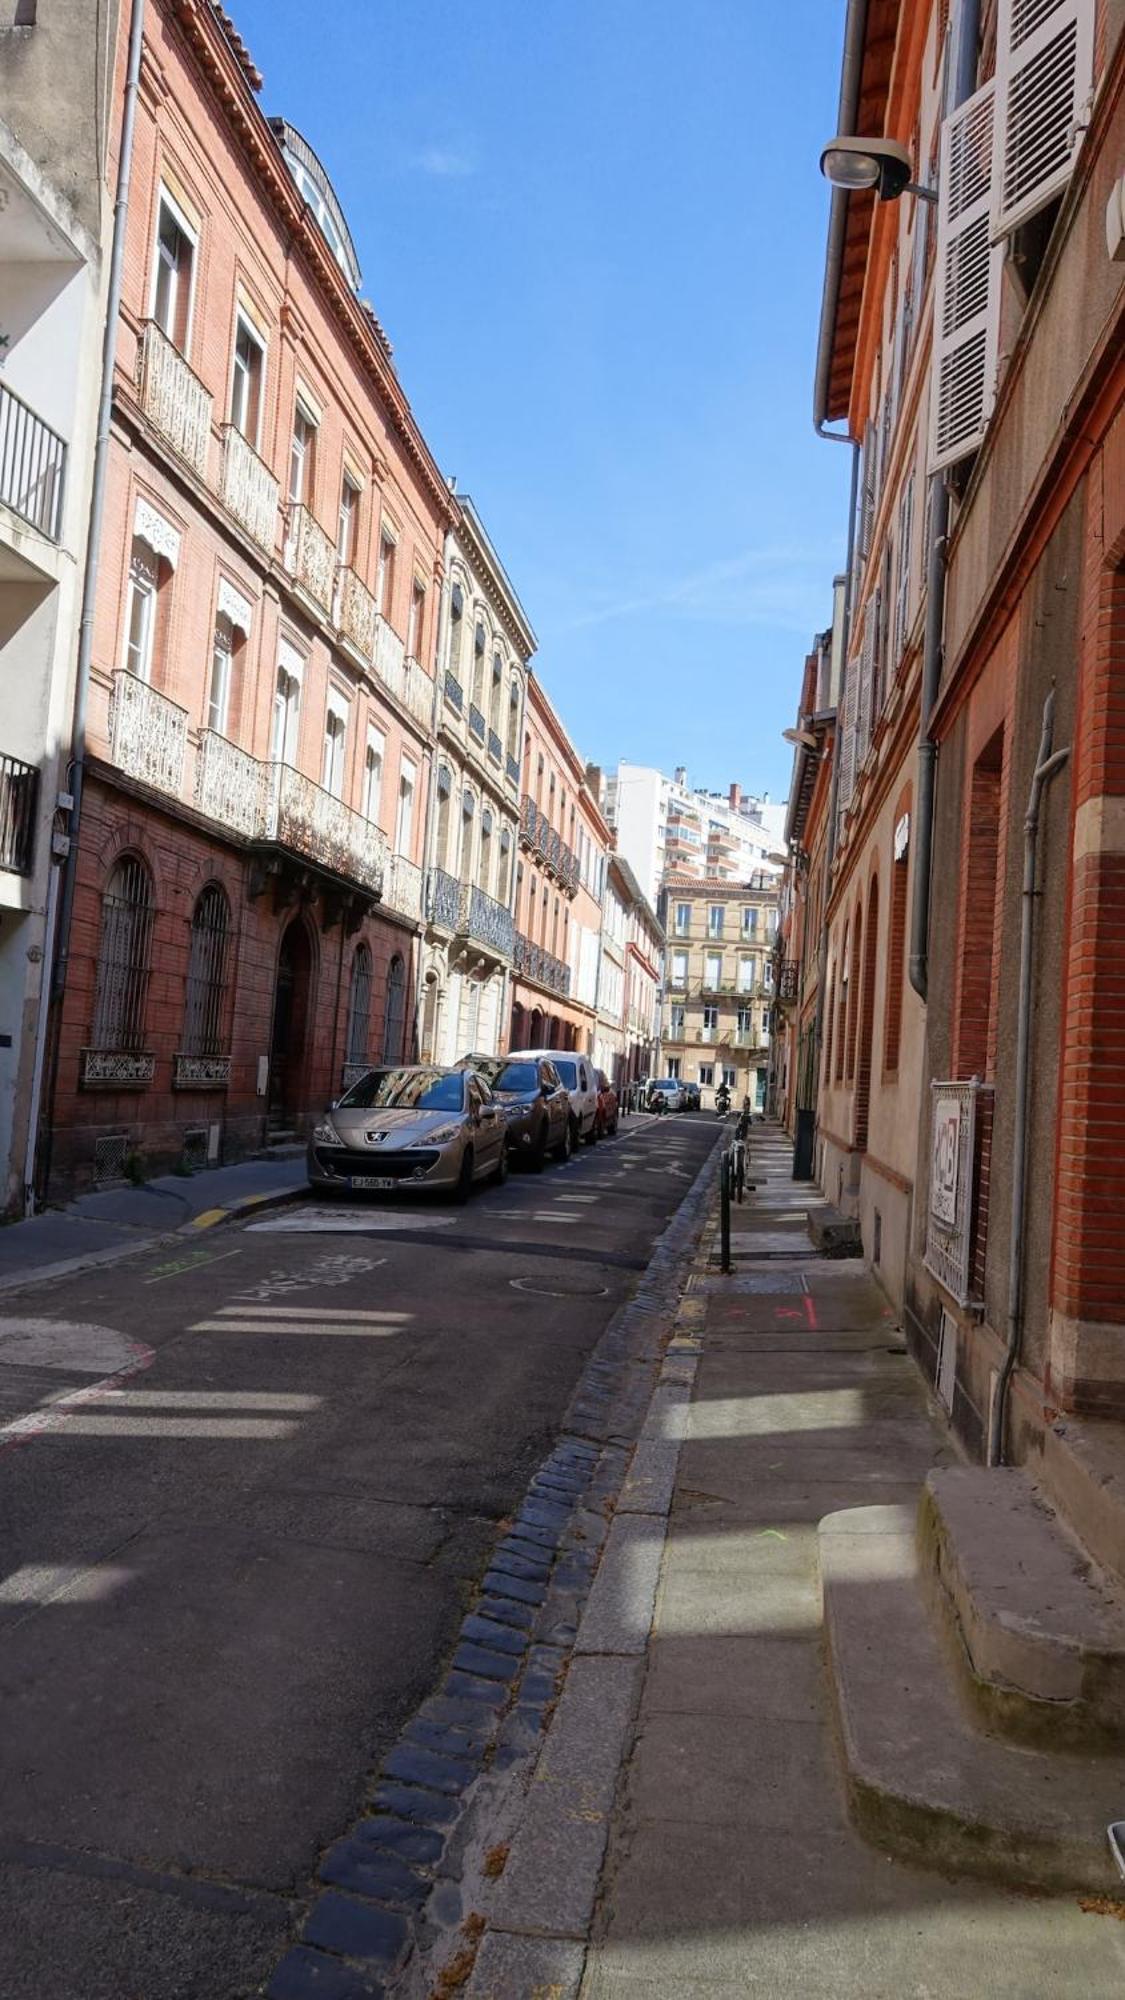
(271,1401)
(69,1347)
(344,1221)
(45,1583)
(332,1268)
(243,1311)
(108,1423)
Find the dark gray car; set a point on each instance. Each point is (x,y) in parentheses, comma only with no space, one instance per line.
(535,1101)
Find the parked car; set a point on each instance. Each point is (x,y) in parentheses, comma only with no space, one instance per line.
(577,1073)
(693,1099)
(536,1104)
(609,1110)
(666,1093)
(411,1130)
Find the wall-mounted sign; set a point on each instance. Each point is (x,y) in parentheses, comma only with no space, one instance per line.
(946,1160)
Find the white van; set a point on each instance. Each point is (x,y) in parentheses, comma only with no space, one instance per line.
(580,1079)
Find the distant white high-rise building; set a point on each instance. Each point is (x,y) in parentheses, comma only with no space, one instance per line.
(665,826)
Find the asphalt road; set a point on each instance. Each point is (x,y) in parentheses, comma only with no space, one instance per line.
(246,1492)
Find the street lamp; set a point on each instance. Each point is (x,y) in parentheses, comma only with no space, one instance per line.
(881,164)
(803,738)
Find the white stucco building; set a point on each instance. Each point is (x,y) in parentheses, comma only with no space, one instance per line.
(665,825)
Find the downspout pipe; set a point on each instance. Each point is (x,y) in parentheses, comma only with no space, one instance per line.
(77,766)
(933,648)
(1048,764)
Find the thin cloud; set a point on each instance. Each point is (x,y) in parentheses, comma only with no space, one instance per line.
(783,586)
(444,163)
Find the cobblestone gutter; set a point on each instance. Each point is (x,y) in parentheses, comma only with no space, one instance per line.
(478,1861)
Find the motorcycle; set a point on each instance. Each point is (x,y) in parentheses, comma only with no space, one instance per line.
(722,1100)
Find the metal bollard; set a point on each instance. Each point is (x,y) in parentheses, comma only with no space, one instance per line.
(724,1213)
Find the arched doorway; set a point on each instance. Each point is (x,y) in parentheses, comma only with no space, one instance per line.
(535,1038)
(290,1025)
(394,1020)
(516,1036)
(431,1010)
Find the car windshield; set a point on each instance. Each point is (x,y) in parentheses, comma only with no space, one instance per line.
(487,1066)
(365,1093)
(422,1090)
(515,1076)
(569,1073)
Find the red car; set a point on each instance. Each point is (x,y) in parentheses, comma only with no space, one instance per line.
(605,1123)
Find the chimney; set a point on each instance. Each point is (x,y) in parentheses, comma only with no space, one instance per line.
(595,784)
(735,797)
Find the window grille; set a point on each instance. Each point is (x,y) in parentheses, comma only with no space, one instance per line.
(359,1005)
(110,1152)
(207,974)
(123,958)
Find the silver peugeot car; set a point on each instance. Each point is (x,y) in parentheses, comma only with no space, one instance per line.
(408,1130)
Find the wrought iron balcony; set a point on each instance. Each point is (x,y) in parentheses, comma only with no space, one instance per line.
(528,818)
(789,979)
(32,466)
(355,613)
(173,398)
(487,921)
(19,798)
(495,747)
(402,889)
(512,770)
(418,692)
(533,961)
(302,816)
(250,491)
(228,784)
(476,722)
(390,654)
(147,733)
(542,835)
(310,556)
(454,693)
(443,903)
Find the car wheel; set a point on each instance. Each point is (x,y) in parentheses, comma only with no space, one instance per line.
(538,1155)
(502,1164)
(595,1132)
(464,1186)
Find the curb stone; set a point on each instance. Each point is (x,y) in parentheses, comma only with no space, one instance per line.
(508,1704)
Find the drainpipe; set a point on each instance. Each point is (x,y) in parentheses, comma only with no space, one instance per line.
(76,773)
(933,648)
(1048,765)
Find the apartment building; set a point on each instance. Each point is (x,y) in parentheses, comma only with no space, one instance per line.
(629,978)
(485,648)
(665,826)
(248,904)
(719,988)
(560,881)
(53,229)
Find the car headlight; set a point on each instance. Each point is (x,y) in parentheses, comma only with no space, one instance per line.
(444,1135)
(325,1134)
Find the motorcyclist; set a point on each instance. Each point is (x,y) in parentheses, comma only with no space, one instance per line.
(722,1100)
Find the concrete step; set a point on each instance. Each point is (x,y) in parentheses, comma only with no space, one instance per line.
(923,1777)
(835,1234)
(1082,1468)
(1041,1630)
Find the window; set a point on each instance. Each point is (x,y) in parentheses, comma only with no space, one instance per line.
(140,612)
(674,1068)
(173,273)
(497,685)
(713,970)
(359,1005)
(679,968)
(767,974)
(246,380)
(204,1012)
(683,919)
(484,871)
(404,828)
(747,969)
(468,811)
(414,623)
(394,1020)
(676,1015)
(385,574)
(745,1020)
(504,881)
(302,457)
(456,628)
(715,920)
(729,1075)
(749,923)
(347,523)
(513,717)
(710,1020)
(286,710)
(373,773)
(707,1074)
(765,1024)
(123,958)
(222,650)
(335,744)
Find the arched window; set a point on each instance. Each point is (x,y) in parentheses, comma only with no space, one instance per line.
(513,717)
(359,1005)
(484,871)
(205,1011)
(478,668)
(394,1020)
(123,957)
(444,811)
(456,629)
(468,809)
(497,686)
(504,878)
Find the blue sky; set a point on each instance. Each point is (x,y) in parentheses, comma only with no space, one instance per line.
(594,231)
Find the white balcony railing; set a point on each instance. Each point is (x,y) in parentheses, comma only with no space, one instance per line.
(301,815)
(402,888)
(310,556)
(147,733)
(355,612)
(174,398)
(250,491)
(228,784)
(390,655)
(418,692)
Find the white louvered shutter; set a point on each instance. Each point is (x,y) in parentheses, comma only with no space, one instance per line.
(847,735)
(967,299)
(1044,71)
(866,670)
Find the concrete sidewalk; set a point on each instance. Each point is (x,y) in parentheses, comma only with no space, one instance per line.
(99,1228)
(732,1867)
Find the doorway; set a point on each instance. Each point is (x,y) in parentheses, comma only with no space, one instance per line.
(394,1020)
(290,1019)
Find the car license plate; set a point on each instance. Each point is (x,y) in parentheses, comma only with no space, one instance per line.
(370,1181)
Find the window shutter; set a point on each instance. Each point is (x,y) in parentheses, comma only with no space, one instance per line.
(967,302)
(902,605)
(847,735)
(1044,70)
(866,671)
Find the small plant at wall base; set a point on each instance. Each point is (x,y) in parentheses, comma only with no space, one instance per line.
(133,1168)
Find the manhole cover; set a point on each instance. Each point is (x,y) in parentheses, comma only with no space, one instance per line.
(560,1288)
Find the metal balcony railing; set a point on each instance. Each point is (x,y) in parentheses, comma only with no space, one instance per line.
(789,979)
(512,770)
(355,612)
(487,921)
(147,733)
(250,491)
(32,466)
(533,961)
(310,556)
(476,722)
(228,784)
(443,903)
(173,397)
(19,798)
(274,802)
(402,888)
(454,693)
(418,692)
(495,747)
